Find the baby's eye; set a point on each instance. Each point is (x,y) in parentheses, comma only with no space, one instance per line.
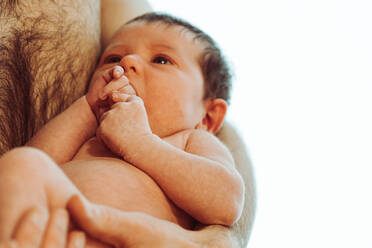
(160,59)
(112,59)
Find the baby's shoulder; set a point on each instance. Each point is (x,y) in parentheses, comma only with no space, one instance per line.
(191,139)
(182,138)
(198,138)
(202,143)
(207,145)
(179,139)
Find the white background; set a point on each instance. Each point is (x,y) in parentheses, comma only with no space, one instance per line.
(302,100)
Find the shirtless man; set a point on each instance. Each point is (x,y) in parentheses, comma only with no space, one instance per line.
(40,48)
(170,100)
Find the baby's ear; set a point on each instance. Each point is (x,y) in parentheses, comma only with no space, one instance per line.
(215,110)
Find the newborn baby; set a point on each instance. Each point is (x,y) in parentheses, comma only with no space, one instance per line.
(141,139)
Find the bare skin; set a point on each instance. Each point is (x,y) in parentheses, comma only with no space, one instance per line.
(175,170)
(34,83)
(55,73)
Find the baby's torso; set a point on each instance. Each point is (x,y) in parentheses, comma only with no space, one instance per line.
(109,180)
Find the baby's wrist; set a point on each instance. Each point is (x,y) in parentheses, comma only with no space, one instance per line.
(139,147)
(89,110)
(88,101)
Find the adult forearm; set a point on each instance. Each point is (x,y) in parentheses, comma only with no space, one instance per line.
(241,230)
(115,13)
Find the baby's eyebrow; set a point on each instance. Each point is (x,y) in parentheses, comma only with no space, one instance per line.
(164,46)
(114,46)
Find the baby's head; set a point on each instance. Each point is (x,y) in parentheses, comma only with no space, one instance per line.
(177,69)
(216,72)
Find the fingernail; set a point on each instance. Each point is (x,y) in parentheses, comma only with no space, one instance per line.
(118,71)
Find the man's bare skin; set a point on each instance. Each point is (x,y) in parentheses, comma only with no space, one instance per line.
(48,50)
(177,158)
(43,49)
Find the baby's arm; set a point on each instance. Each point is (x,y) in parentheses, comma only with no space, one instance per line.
(62,136)
(201,180)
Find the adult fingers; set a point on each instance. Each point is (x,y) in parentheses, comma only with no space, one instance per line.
(30,230)
(124,229)
(56,232)
(76,239)
(9,244)
(101,222)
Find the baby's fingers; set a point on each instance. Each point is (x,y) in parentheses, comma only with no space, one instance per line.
(113,73)
(114,85)
(117,72)
(120,97)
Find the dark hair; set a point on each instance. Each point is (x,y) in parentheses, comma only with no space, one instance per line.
(216,72)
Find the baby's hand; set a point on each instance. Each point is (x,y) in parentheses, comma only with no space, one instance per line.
(125,123)
(102,84)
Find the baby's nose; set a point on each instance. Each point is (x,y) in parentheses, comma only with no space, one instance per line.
(132,63)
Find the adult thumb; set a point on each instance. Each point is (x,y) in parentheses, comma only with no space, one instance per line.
(101,222)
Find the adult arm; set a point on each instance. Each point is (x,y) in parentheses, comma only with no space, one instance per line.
(115,13)
(236,236)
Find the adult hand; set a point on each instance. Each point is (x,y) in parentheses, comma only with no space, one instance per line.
(34,230)
(128,229)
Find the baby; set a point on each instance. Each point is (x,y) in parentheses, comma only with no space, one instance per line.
(141,139)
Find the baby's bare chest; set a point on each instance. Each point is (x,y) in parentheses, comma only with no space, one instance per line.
(109,180)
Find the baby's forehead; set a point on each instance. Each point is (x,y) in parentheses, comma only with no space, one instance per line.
(180,31)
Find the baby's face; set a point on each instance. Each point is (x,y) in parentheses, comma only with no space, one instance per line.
(162,65)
